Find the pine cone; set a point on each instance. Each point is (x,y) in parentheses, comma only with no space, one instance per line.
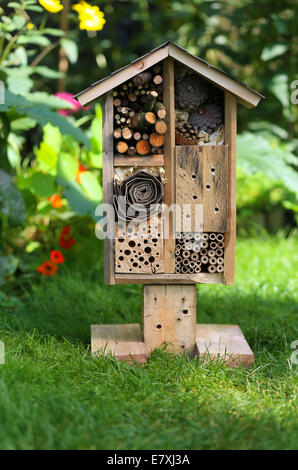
(190,93)
(207,118)
(185,134)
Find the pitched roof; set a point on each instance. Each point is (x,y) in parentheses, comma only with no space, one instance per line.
(246,95)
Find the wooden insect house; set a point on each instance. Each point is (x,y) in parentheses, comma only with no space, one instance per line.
(169,173)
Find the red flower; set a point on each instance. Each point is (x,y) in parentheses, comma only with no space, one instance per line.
(76,106)
(81,169)
(57,257)
(55,200)
(65,240)
(48,268)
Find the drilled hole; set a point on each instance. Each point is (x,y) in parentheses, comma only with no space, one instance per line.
(185,311)
(216,209)
(213,170)
(151,259)
(127,252)
(195,197)
(193,176)
(158,326)
(208,186)
(131,243)
(147,249)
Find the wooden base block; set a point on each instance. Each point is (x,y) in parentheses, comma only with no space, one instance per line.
(122,341)
(224,342)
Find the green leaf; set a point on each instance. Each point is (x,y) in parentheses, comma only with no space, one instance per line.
(11,200)
(77,199)
(47,72)
(37,40)
(23,124)
(256,155)
(8,265)
(279,87)
(30,201)
(42,114)
(52,136)
(71,49)
(67,167)
(42,184)
(270,52)
(91,185)
(53,31)
(47,155)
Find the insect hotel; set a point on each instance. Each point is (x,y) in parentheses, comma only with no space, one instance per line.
(169,140)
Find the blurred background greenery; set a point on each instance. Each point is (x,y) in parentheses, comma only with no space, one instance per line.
(50,150)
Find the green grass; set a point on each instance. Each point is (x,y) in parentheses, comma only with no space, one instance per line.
(54,395)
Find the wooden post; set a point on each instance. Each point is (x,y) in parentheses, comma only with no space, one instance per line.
(230,140)
(169,316)
(107,178)
(169,160)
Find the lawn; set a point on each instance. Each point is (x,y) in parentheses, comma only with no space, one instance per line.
(54,395)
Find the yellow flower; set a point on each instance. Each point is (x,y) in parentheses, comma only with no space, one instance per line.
(30,26)
(91,18)
(53,6)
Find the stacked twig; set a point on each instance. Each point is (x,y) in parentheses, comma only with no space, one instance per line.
(199,252)
(139,114)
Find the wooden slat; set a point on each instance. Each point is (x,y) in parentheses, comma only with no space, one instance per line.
(215,187)
(107,180)
(201,178)
(169,316)
(224,342)
(122,341)
(200,278)
(230,139)
(169,161)
(148,160)
(122,75)
(248,97)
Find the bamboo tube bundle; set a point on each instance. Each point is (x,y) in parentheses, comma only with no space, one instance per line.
(199,252)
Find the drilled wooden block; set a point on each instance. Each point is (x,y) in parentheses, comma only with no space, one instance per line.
(139,247)
(169,316)
(201,178)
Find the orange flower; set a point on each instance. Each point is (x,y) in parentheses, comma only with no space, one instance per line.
(55,200)
(48,268)
(57,257)
(65,240)
(81,169)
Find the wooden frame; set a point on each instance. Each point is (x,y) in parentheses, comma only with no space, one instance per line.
(108,178)
(230,140)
